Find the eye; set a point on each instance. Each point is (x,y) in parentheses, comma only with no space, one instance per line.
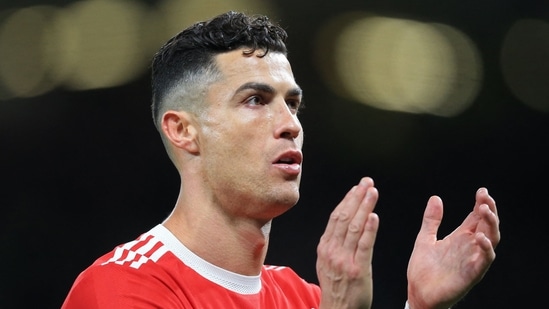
(255,100)
(294,105)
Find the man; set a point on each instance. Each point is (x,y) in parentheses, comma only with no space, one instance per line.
(226,104)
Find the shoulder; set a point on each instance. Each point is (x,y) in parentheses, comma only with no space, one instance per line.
(134,272)
(288,280)
(281,272)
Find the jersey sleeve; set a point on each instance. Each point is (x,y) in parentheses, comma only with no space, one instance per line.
(113,286)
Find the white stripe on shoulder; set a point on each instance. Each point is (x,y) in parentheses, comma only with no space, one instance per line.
(138,252)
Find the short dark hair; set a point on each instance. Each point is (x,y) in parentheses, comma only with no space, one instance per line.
(186,64)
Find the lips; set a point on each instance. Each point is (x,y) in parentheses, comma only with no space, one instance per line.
(290,158)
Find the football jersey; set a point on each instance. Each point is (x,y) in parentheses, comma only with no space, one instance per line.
(157,271)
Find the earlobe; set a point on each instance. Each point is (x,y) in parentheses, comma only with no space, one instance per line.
(180,129)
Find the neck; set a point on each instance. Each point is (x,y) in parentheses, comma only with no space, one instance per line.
(235,244)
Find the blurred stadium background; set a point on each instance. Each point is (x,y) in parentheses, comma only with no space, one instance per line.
(427,97)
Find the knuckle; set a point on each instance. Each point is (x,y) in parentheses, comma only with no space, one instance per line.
(354,228)
(343,216)
(337,262)
(364,245)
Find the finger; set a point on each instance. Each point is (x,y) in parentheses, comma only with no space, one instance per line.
(330,227)
(355,228)
(345,211)
(367,240)
(491,227)
(432,218)
(486,245)
(472,220)
(483,197)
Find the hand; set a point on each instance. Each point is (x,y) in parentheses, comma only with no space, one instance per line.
(441,272)
(344,264)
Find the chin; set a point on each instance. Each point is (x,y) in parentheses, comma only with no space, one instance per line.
(279,206)
(289,202)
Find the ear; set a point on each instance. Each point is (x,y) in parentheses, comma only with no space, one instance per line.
(179,127)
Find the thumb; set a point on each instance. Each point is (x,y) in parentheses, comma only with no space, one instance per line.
(432,217)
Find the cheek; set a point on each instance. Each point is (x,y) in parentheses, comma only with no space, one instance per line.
(236,137)
(233,143)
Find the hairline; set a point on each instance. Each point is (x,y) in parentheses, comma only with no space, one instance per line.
(188,92)
(193,85)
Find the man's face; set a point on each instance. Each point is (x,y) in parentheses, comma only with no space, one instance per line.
(250,138)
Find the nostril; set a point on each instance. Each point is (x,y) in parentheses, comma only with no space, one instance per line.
(286,135)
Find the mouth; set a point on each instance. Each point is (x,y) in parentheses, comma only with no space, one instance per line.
(290,158)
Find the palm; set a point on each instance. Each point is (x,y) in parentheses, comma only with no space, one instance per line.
(440,272)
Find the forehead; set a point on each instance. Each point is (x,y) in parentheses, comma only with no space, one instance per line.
(274,67)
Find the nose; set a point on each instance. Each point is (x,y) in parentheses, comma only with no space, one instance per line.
(288,125)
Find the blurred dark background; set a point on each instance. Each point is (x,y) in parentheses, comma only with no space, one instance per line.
(83,170)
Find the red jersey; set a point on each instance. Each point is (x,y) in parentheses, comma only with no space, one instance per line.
(158,271)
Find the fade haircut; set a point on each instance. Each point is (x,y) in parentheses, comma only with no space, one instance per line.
(185,66)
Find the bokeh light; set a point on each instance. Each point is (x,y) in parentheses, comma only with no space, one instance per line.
(23,67)
(180,14)
(94,44)
(401,65)
(525,62)
(105,39)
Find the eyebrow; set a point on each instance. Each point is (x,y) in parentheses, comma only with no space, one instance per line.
(268,89)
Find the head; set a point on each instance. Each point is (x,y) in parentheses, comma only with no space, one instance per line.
(225,102)
(185,66)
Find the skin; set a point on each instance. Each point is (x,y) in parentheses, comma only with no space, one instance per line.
(441,272)
(344,264)
(233,184)
(223,212)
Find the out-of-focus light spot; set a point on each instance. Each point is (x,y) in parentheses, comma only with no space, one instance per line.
(464,72)
(95,44)
(402,65)
(181,14)
(325,47)
(23,69)
(60,48)
(525,62)
(101,40)
(154,32)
